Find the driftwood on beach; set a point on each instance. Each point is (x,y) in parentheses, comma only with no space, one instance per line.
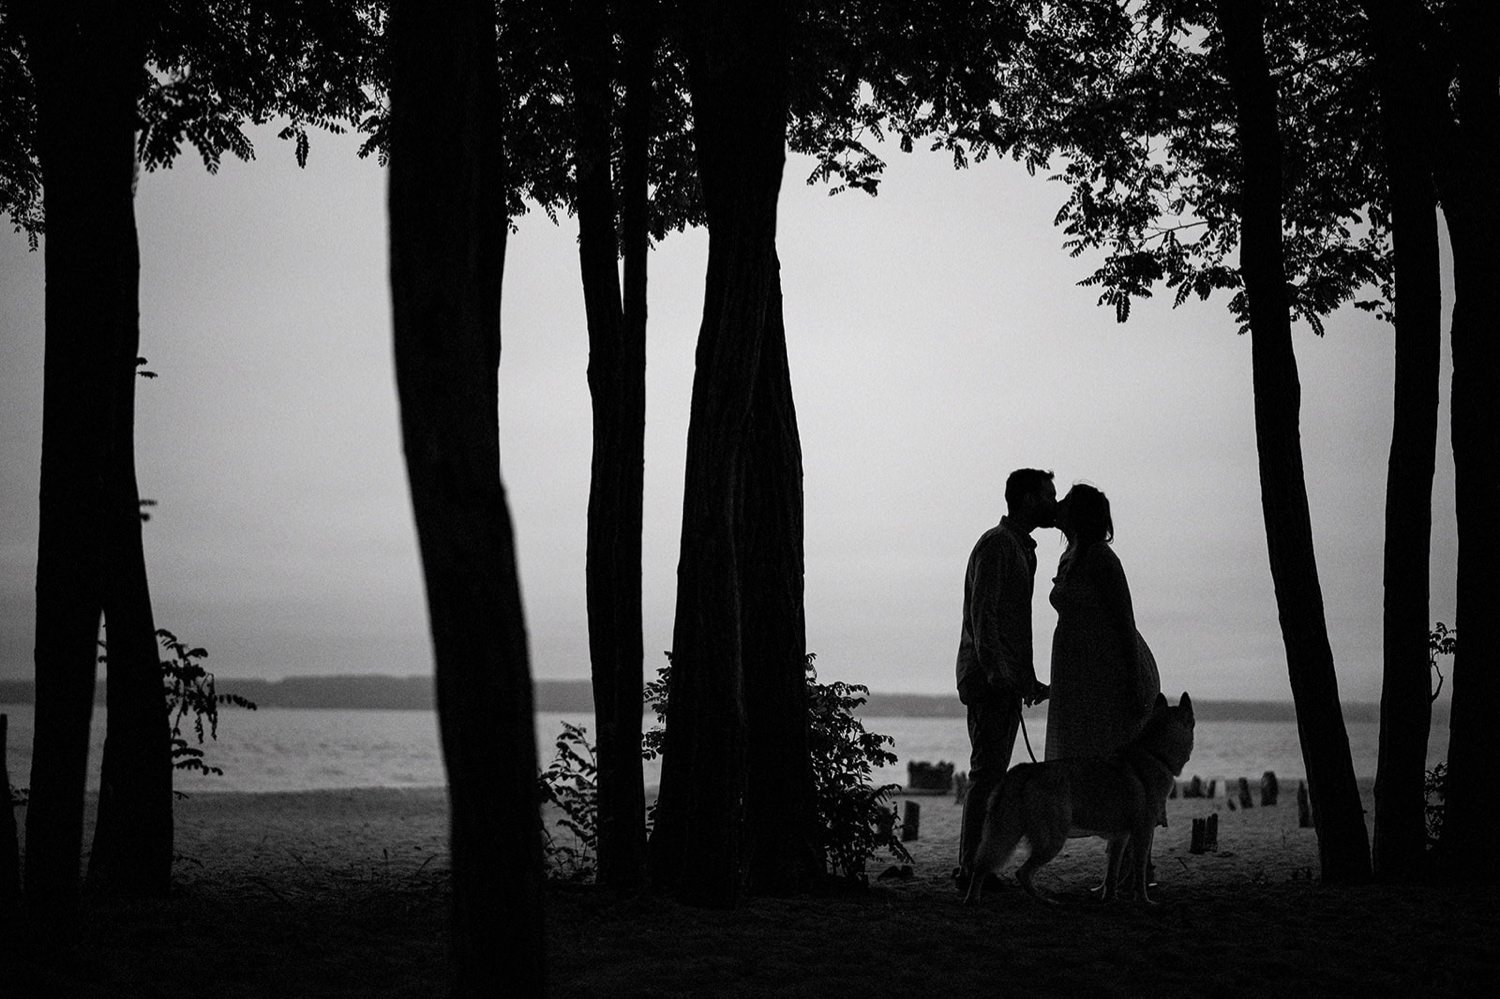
(911,821)
(935,778)
(1270,789)
(1205,835)
(1197,789)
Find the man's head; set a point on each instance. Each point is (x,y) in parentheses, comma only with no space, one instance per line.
(1031,498)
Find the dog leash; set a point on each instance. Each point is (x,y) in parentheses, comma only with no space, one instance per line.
(1021,714)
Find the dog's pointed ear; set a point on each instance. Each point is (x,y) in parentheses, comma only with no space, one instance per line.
(1161,703)
(1186,701)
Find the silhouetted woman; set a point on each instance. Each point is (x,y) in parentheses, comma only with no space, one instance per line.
(1104,677)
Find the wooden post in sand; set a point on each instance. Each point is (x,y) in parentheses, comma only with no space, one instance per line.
(1304,807)
(1205,838)
(1245,800)
(10,857)
(911,820)
(1270,789)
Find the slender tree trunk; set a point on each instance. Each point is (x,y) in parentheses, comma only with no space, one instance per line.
(1343,842)
(132,851)
(738,645)
(617,384)
(86,61)
(10,858)
(1470,188)
(448,229)
(1400,840)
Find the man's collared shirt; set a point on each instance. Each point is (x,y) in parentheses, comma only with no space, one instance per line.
(996,638)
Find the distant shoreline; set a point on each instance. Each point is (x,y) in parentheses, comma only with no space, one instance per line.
(414,693)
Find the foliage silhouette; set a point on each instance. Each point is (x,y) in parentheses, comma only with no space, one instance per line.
(857,821)
(1443,641)
(191,692)
(571,782)
(854,815)
(213,70)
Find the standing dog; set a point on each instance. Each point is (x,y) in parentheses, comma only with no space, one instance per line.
(1118,798)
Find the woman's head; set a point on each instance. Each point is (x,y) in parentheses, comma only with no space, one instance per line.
(1084,517)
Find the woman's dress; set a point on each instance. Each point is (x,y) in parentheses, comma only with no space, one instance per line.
(1104,678)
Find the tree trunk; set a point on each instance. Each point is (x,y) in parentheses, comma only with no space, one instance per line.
(10,858)
(736,728)
(1400,840)
(86,60)
(617,385)
(1343,842)
(781,805)
(1470,189)
(447,245)
(132,851)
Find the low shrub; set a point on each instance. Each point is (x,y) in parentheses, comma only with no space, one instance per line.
(857,818)
(571,782)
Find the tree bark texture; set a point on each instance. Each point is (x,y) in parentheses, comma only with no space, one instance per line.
(86,60)
(736,727)
(447,243)
(617,385)
(1469,184)
(1343,842)
(1400,836)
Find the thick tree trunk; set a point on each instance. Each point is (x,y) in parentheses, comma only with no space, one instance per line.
(1470,188)
(87,61)
(781,806)
(1400,840)
(1343,842)
(735,726)
(696,846)
(448,233)
(617,384)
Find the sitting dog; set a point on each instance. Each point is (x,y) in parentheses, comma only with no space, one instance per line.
(1118,798)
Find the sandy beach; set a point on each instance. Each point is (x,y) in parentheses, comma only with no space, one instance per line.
(345,893)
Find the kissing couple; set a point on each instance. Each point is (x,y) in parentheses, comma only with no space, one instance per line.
(1103,680)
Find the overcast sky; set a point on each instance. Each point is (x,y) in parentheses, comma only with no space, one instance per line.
(937,339)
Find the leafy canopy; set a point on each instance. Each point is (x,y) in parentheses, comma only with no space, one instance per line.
(213,70)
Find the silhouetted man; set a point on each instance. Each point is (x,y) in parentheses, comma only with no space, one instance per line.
(996,674)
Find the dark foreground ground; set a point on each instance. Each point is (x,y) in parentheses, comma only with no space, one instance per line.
(346,895)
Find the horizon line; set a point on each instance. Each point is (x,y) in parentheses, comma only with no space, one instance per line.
(230,680)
